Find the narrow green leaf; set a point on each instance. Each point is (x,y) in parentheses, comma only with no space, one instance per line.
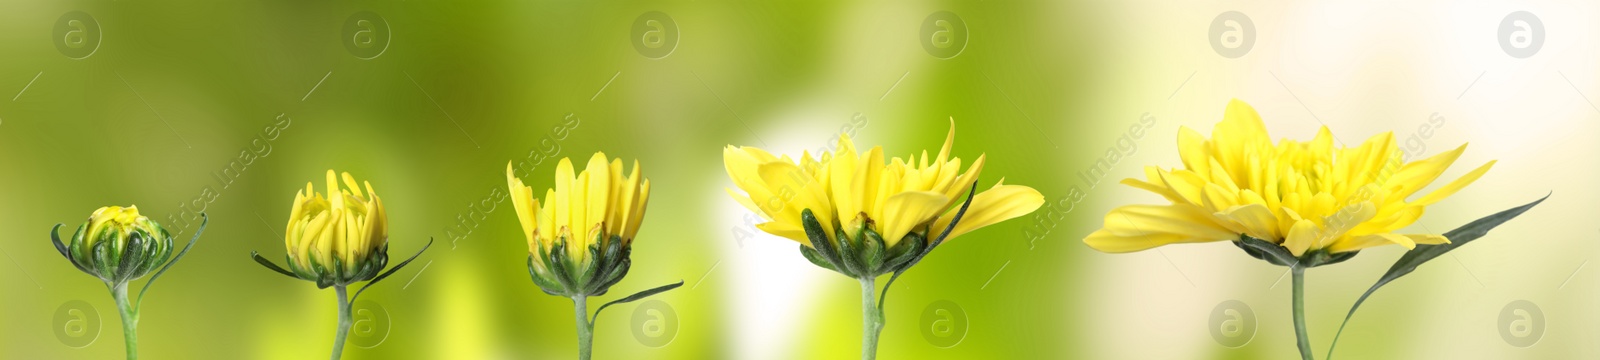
(391,271)
(1423,253)
(882,297)
(635,297)
(203,220)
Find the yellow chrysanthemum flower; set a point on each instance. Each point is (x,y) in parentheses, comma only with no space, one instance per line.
(581,236)
(337,239)
(850,193)
(587,218)
(1304,196)
(859,216)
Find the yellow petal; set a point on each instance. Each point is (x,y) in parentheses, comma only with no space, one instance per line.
(1255,220)
(599,193)
(637,216)
(1105,241)
(1418,174)
(1188,221)
(1453,186)
(999,203)
(563,196)
(1301,237)
(904,211)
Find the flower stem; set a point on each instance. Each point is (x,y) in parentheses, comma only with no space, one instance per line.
(344,322)
(580,313)
(130,319)
(871,320)
(1302,339)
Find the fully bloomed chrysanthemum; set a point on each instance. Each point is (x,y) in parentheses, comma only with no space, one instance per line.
(1304,196)
(862,202)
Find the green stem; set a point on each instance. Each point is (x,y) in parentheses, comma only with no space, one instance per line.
(871,320)
(1302,339)
(580,313)
(344,322)
(130,319)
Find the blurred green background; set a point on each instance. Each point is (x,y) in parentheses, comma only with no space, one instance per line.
(230,107)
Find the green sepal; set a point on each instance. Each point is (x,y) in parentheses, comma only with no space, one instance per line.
(816,258)
(588,268)
(131,260)
(102,256)
(900,254)
(77,250)
(560,266)
(271,266)
(616,274)
(545,285)
(849,259)
(547,276)
(1278,255)
(611,257)
(820,242)
(55,237)
(1264,250)
(873,251)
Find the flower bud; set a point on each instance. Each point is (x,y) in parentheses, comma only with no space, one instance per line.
(580,238)
(338,239)
(118,245)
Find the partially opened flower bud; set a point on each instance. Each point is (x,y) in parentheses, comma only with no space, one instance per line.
(118,245)
(338,239)
(580,237)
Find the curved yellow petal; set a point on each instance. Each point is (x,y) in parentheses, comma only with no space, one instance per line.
(1453,186)
(904,211)
(999,203)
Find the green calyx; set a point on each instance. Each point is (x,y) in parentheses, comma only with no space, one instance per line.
(117,254)
(866,256)
(334,274)
(1278,255)
(558,273)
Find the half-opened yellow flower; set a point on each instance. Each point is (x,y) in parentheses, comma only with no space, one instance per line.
(587,220)
(1304,196)
(340,238)
(859,191)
